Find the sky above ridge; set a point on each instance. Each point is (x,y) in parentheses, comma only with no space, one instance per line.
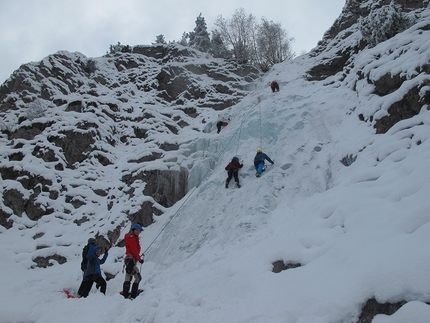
(32,30)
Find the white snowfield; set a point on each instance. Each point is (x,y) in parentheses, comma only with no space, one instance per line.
(359,232)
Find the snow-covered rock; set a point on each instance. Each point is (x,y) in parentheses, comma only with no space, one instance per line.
(335,231)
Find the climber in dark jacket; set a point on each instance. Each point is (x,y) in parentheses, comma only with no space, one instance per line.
(84,262)
(222,122)
(274,86)
(259,162)
(93,272)
(233,170)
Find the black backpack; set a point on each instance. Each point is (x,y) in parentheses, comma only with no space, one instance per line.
(84,254)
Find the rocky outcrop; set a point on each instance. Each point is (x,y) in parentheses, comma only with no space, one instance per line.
(373,308)
(341,53)
(113,119)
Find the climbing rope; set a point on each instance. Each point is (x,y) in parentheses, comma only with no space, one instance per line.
(201,180)
(198,184)
(261,125)
(241,124)
(113,242)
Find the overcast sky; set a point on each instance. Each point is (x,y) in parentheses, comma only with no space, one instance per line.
(33,29)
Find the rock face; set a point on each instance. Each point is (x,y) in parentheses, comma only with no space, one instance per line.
(337,54)
(111,119)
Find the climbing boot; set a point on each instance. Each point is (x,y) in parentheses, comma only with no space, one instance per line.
(238,185)
(134,290)
(125,289)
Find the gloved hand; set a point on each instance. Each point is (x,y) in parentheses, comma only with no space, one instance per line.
(141,261)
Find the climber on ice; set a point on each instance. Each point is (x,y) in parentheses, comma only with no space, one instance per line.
(233,170)
(222,122)
(259,162)
(274,86)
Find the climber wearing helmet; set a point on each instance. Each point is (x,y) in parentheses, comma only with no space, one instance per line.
(259,162)
(233,170)
(93,272)
(132,256)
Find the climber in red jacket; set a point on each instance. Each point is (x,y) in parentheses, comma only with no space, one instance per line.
(132,256)
(274,86)
(233,170)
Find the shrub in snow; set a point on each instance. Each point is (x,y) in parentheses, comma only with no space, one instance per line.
(89,66)
(384,23)
(35,110)
(119,48)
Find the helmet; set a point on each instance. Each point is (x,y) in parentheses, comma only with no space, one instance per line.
(259,151)
(136,226)
(235,157)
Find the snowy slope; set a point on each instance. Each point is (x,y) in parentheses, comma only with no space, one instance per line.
(359,232)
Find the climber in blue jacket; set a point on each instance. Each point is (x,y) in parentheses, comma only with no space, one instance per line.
(93,272)
(259,162)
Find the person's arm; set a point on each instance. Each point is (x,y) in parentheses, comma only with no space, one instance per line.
(269,160)
(102,261)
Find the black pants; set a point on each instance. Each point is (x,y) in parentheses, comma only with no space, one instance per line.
(87,284)
(275,87)
(230,174)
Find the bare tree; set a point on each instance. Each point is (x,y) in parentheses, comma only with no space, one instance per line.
(237,33)
(260,45)
(273,45)
(217,47)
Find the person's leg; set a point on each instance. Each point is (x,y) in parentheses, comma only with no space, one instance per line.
(135,287)
(229,176)
(87,284)
(81,287)
(260,168)
(102,284)
(236,177)
(126,285)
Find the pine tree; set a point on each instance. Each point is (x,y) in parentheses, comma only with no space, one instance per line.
(218,49)
(199,38)
(184,39)
(160,39)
